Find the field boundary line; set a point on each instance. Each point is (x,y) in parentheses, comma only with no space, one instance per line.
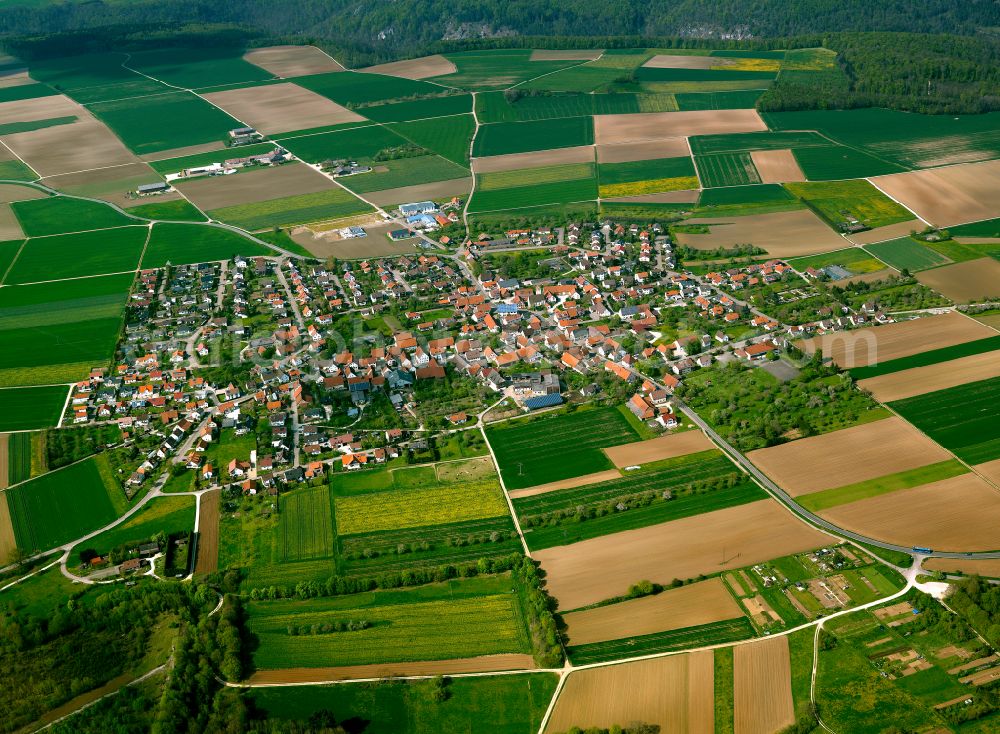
(62,414)
(14,153)
(890,196)
(10,267)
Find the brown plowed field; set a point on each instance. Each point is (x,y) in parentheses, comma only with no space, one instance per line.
(782,234)
(611,129)
(422,192)
(421,68)
(10,228)
(279,108)
(600,568)
(957,514)
(965,282)
(291,179)
(777,166)
(947,196)
(208,533)
(13,192)
(569,54)
(888,232)
(655,449)
(376,244)
(15,78)
(538,159)
(595,478)
(668,61)
(483,664)
(289,61)
(165,155)
(989,567)
(79,146)
(675,692)
(684,196)
(700,603)
(647,151)
(847,456)
(762,687)
(863,347)
(990,470)
(931,378)
(41,108)
(8,543)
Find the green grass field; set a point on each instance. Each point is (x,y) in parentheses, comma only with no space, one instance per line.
(516,704)
(836,162)
(496,68)
(25,91)
(179,210)
(449,137)
(358,143)
(16,171)
(853,258)
(906,253)
(405,172)
(858,198)
(688,637)
(732,201)
(332,203)
(521,137)
(746,142)
(166,515)
(11,128)
(59,506)
(18,456)
(495,107)
(421,109)
(988,228)
(653,74)
(465,618)
(726,169)
(363,89)
(25,408)
(562,192)
(93,77)
(192,68)
(533,176)
(737,100)
(191,243)
(818,501)
(962,419)
(60,214)
(934,356)
(633,171)
(306,524)
(164,121)
(77,255)
(553,447)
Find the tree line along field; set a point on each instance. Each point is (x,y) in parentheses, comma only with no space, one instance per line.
(553,447)
(962,419)
(713,633)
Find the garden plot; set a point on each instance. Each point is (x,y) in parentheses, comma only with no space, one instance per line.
(782,234)
(965,282)
(611,129)
(515,161)
(847,456)
(921,380)
(78,146)
(279,108)
(292,61)
(247,187)
(644,151)
(863,347)
(947,196)
(656,449)
(422,68)
(695,604)
(674,693)
(762,682)
(777,166)
(600,568)
(956,514)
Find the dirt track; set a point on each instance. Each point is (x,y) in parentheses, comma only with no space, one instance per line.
(965,282)
(208,533)
(483,664)
(289,61)
(920,380)
(762,683)
(847,456)
(655,449)
(279,108)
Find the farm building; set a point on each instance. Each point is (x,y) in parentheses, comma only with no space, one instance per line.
(152,188)
(420,207)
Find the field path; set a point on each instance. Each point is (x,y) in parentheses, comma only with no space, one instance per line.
(472,145)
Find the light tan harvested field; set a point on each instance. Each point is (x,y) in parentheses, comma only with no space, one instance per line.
(611,129)
(650,150)
(920,380)
(289,61)
(483,664)
(977,240)
(888,232)
(965,282)
(674,692)
(863,347)
(669,61)
(8,544)
(762,687)
(777,166)
(422,68)
(847,456)
(537,159)
(13,192)
(10,228)
(701,603)
(990,470)
(568,54)
(4,465)
(41,108)
(422,192)
(376,244)
(957,514)
(601,568)
(989,567)
(684,196)
(595,478)
(165,155)
(947,196)
(991,320)
(279,108)
(79,146)
(782,234)
(290,179)
(15,78)
(655,449)
(207,560)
